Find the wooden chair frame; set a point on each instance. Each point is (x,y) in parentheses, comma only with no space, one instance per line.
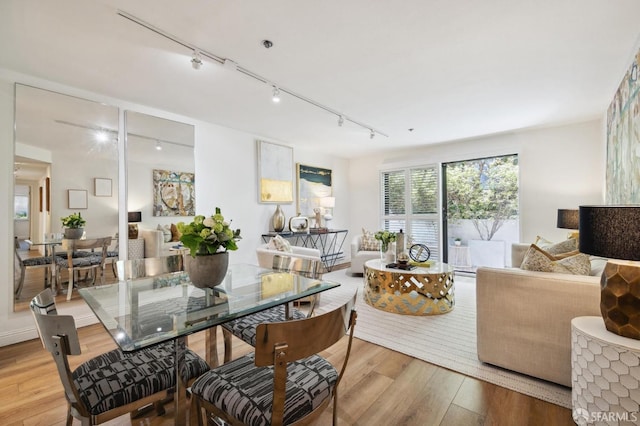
(72,245)
(280,343)
(23,269)
(310,268)
(59,336)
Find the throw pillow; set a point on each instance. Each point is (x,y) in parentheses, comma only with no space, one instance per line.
(368,241)
(281,244)
(175,234)
(539,260)
(166,233)
(566,246)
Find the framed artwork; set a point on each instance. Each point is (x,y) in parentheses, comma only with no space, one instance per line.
(173,193)
(77,198)
(102,187)
(623,140)
(314,183)
(47,193)
(275,173)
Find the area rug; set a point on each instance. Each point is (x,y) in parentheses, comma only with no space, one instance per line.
(447,340)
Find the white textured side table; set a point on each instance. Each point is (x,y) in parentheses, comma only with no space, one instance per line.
(605,375)
(136,248)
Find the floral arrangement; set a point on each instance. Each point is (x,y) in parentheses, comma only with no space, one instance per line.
(385,237)
(208,235)
(73,221)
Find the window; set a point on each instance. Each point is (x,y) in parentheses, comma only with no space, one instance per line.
(21,202)
(410,202)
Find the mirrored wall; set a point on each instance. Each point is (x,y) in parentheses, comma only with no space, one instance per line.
(66,161)
(160,179)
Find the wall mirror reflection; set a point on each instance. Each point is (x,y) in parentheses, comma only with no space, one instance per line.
(62,143)
(160,182)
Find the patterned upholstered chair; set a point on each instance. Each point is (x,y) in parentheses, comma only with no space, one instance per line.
(285,381)
(111,384)
(30,263)
(245,328)
(75,260)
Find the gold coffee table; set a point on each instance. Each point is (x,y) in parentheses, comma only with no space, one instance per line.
(420,291)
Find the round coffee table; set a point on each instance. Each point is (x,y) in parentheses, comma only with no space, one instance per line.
(420,291)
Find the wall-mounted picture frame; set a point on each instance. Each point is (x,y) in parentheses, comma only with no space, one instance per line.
(174,193)
(275,173)
(102,187)
(314,183)
(77,198)
(47,193)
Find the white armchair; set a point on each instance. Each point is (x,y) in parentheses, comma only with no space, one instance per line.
(265,254)
(359,257)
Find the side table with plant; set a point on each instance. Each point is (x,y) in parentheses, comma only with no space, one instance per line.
(74,225)
(208,239)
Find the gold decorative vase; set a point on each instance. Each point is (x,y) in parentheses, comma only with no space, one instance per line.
(207,270)
(278,219)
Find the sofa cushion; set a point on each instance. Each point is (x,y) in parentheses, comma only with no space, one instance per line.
(175,234)
(537,259)
(280,244)
(569,245)
(166,232)
(368,241)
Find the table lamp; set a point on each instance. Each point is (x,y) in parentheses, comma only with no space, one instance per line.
(569,219)
(134,218)
(613,232)
(328,203)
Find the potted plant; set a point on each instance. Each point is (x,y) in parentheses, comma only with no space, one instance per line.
(74,225)
(208,240)
(386,251)
(457,241)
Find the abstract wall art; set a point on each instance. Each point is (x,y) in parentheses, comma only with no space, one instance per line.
(173,193)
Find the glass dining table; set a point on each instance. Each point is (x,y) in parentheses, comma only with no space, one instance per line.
(143,312)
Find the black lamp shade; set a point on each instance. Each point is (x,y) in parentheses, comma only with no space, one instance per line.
(134,217)
(612,232)
(568,219)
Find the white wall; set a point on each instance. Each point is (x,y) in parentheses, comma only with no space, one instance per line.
(226,177)
(560,167)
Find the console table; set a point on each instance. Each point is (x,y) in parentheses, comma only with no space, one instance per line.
(329,242)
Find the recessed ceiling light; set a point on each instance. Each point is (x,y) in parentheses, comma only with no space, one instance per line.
(268,44)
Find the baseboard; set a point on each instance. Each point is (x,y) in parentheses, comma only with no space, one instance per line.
(11,337)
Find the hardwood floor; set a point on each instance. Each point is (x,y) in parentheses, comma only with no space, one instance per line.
(380,387)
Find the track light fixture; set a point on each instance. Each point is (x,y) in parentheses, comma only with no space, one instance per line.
(276,95)
(372,134)
(196,60)
(158,146)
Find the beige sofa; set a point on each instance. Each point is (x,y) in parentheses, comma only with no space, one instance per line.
(524,317)
(154,245)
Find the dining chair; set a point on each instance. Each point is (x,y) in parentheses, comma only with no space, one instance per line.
(32,263)
(90,261)
(114,383)
(244,328)
(284,381)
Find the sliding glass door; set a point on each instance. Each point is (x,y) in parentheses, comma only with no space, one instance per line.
(480,211)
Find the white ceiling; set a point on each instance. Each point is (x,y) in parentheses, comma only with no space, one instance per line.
(449,69)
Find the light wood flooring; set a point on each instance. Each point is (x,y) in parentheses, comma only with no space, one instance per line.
(380,387)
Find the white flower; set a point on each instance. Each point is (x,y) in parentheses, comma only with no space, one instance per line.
(208,222)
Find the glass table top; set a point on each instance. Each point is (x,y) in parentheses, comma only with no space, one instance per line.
(146,311)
